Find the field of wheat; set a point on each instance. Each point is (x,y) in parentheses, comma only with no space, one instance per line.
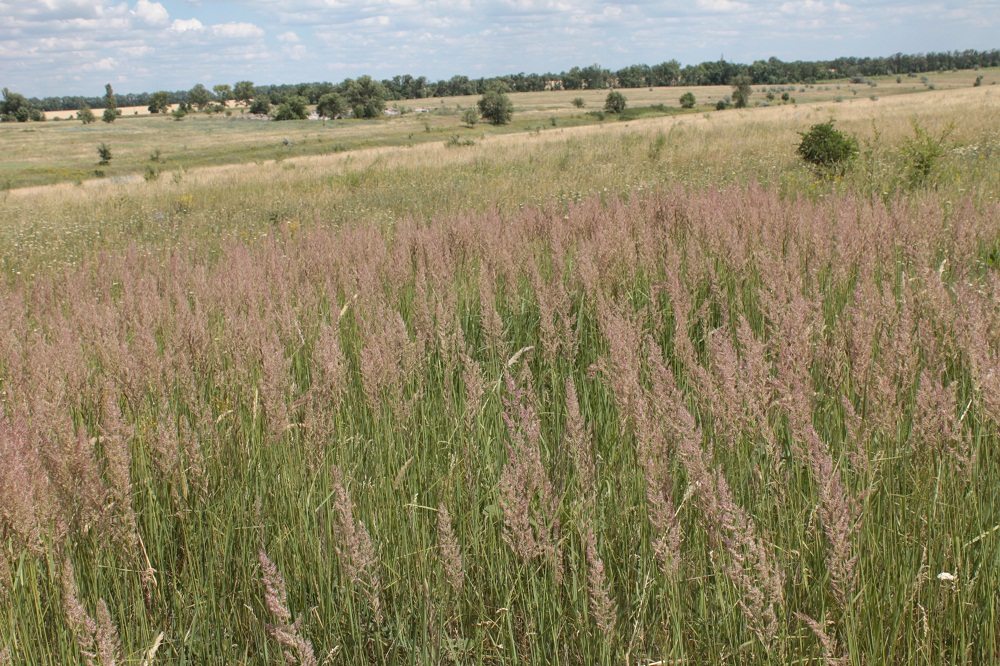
(653,393)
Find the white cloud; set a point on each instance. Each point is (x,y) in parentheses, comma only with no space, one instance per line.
(722,5)
(151,13)
(103,65)
(236,30)
(289,38)
(186,25)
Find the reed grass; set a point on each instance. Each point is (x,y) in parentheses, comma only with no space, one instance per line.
(637,394)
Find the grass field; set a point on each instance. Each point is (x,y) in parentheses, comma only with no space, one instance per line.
(643,392)
(46,153)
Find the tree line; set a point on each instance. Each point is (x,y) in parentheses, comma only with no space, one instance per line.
(670,73)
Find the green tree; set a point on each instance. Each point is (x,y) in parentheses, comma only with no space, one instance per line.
(331,105)
(111,110)
(366,96)
(16,107)
(159,102)
(243,92)
(104,152)
(496,108)
(293,108)
(223,93)
(85,115)
(579,103)
(199,96)
(826,147)
(615,102)
(687,100)
(741,91)
(470,117)
(261,105)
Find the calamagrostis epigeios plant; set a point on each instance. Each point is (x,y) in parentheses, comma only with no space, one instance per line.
(579,445)
(750,566)
(449,551)
(115,440)
(838,510)
(26,503)
(354,546)
(98,640)
(827,643)
(527,496)
(602,602)
(284,631)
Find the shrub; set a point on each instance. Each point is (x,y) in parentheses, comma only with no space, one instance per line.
(579,103)
(825,147)
(470,117)
(104,152)
(85,115)
(294,108)
(496,108)
(922,153)
(261,106)
(688,100)
(615,102)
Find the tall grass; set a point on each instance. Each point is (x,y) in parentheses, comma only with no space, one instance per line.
(623,396)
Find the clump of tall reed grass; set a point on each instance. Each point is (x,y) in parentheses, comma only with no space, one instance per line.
(689,425)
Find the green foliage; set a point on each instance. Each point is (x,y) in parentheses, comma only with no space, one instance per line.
(721,105)
(579,103)
(159,102)
(243,92)
(293,108)
(615,102)
(496,108)
(104,152)
(111,110)
(199,96)
(15,107)
(223,92)
(261,105)
(366,97)
(331,105)
(923,152)
(688,100)
(741,91)
(826,147)
(85,115)
(470,117)
(455,141)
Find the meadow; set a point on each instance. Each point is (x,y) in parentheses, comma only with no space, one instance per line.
(644,392)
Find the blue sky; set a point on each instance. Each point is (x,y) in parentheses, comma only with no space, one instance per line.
(69,47)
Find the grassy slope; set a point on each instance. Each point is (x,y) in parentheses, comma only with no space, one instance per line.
(213,356)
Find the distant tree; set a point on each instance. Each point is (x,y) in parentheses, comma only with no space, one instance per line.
(331,105)
(496,108)
(111,110)
(579,103)
(223,93)
(16,107)
(615,102)
(159,102)
(293,108)
(826,147)
(741,91)
(104,152)
(470,117)
(366,96)
(243,92)
(199,96)
(261,105)
(687,100)
(85,115)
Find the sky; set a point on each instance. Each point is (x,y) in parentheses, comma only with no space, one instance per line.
(75,47)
